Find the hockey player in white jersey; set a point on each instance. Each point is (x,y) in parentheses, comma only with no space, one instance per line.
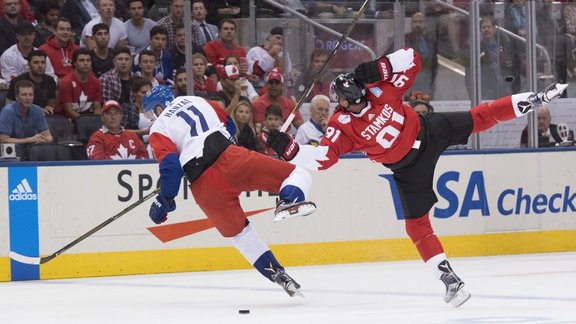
(192,136)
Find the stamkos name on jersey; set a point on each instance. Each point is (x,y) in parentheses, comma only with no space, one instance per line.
(172,109)
(378,122)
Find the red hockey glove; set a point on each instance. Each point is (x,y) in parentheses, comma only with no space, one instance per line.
(374,71)
(282,144)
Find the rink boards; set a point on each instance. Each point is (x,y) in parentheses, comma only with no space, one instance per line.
(490,203)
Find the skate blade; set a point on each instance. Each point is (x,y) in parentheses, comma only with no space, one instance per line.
(460,298)
(303,210)
(295,293)
(559,89)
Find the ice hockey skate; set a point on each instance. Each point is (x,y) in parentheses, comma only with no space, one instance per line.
(285,210)
(286,282)
(545,96)
(455,295)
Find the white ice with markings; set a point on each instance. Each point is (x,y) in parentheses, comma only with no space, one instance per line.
(536,288)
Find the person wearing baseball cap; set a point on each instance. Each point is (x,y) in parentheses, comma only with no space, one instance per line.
(275,85)
(263,58)
(112,142)
(231,92)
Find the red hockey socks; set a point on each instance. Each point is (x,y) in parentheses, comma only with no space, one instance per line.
(422,235)
(488,114)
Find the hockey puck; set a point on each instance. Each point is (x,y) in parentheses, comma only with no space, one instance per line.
(244,311)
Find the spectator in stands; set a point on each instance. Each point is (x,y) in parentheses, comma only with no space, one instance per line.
(202,31)
(22,122)
(425,44)
(138,27)
(133,119)
(261,59)
(498,63)
(170,21)
(25,13)
(163,68)
(203,85)
(116,82)
(146,66)
(217,10)
(180,83)
(47,13)
(547,132)
(80,13)
(225,45)
(515,17)
(8,22)
(112,142)
(248,90)
(102,56)
(420,102)
(59,48)
(275,83)
(312,131)
(318,58)
(246,133)
(272,120)
(13,61)
(178,50)
(117,30)
(231,88)
(44,85)
(80,92)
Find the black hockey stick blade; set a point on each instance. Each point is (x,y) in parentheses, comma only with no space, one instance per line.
(41,260)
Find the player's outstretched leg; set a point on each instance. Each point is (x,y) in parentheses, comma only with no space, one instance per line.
(455,295)
(488,114)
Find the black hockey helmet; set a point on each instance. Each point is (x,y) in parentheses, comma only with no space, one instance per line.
(347,87)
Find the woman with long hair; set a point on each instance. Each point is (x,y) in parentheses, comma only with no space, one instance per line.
(246,133)
(133,118)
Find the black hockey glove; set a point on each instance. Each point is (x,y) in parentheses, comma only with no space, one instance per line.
(282,144)
(374,71)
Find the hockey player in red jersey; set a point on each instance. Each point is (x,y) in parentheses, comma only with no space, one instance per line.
(372,118)
(192,137)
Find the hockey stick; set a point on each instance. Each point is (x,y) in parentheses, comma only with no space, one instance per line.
(324,67)
(41,260)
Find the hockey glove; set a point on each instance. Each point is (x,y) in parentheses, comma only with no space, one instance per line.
(374,71)
(160,209)
(282,144)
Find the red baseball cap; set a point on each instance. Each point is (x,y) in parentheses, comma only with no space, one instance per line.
(275,74)
(111,104)
(230,72)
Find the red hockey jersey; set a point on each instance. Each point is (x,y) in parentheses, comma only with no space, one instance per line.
(387,128)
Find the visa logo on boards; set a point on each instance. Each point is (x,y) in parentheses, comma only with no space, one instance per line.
(510,201)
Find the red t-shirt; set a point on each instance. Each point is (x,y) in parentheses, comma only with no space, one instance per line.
(80,94)
(216,52)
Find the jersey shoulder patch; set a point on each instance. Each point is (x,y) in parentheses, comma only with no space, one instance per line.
(344,119)
(376,91)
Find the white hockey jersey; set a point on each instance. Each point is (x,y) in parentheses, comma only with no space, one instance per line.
(184,125)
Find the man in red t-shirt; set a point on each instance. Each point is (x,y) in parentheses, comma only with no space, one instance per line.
(111,142)
(275,82)
(218,49)
(80,92)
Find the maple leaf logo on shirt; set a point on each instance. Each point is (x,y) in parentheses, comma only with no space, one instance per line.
(83,104)
(123,154)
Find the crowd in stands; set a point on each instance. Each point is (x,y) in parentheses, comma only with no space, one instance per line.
(78,55)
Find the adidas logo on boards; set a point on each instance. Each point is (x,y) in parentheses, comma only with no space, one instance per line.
(23,192)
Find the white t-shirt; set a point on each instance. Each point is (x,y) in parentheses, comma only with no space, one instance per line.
(117,31)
